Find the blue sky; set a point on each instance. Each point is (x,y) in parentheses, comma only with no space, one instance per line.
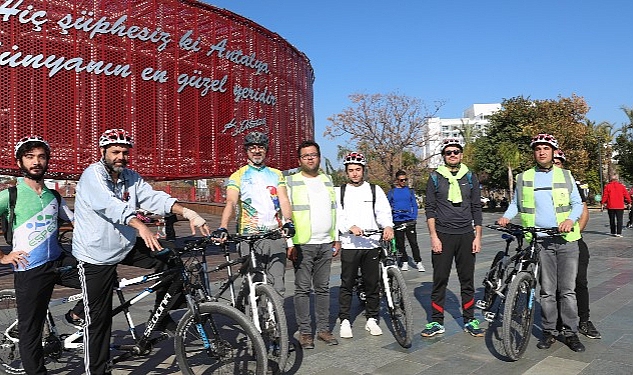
(461,52)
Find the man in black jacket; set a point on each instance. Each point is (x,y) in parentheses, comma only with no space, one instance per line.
(453,203)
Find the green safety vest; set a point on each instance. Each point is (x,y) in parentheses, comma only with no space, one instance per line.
(562,187)
(301,206)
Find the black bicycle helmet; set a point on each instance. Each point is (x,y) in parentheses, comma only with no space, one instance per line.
(256,138)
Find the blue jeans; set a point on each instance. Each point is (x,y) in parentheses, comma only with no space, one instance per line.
(559,267)
(312,271)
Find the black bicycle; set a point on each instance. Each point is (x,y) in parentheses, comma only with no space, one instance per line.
(393,289)
(211,337)
(510,286)
(255,297)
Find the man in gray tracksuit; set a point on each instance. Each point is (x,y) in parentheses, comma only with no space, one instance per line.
(105,234)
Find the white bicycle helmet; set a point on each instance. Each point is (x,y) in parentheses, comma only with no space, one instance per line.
(115,136)
(544,138)
(558,154)
(451,142)
(355,158)
(31,139)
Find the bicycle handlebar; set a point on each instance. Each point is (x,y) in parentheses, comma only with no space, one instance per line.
(519,230)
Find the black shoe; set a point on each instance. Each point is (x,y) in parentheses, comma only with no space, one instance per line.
(547,341)
(167,326)
(588,329)
(574,343)
(76,322)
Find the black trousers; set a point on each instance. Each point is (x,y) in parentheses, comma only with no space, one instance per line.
(582,291)
(33,290)
(412,237)
(615,220)
(367,260)
(97,282)
(458,247)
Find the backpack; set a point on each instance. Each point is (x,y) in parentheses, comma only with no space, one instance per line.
(469,176)
(7,221)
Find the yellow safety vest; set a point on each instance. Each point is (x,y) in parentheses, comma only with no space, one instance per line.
(301,206)
(562,188)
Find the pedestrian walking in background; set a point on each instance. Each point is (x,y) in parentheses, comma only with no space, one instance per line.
(404,209)
(614,198)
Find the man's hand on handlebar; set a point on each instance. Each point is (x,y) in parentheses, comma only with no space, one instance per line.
(387,233)
(566,226)
(503,221)
(220,235)
(288,229)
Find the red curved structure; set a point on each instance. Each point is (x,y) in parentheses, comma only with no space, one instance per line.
(189,80)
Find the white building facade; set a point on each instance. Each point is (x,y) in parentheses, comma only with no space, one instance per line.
(477,116)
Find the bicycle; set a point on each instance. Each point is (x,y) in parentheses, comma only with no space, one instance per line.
(257,299)
(394,290)
(510,287)
(211,337)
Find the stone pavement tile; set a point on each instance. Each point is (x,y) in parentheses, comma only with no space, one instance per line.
(558,366)
(457,363)
(401,367)
(600,367)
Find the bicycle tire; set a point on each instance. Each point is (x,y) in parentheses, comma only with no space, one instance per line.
(518,315)
(65,240)
(241,349)
(401,315)
(490,294)
(10,360)
(272,320)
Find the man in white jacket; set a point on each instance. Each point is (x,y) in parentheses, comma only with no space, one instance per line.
(360,206)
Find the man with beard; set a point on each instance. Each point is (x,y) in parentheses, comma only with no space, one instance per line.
(454,218)
(547,197)
(36,254)
(316,241)
(259,195)
(106,230)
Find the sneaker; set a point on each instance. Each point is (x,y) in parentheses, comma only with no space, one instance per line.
(306,341)
(574,343)
(327,337)
(472,327)
(372,327)
(588,329)
(76,322)
(432,329)
(546,341)
(420,267)
(405,267)
(618,235)
(346,329)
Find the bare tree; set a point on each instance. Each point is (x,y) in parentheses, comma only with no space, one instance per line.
(384,126)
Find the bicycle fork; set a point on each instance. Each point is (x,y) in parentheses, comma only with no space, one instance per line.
(385,284)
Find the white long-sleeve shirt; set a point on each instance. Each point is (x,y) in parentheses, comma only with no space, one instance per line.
(359,211)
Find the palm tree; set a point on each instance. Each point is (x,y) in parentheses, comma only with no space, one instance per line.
(511,158)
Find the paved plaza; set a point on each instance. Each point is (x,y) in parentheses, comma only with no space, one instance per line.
(454,352)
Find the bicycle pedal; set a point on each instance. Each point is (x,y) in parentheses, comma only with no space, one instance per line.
(489,316)
(481,304)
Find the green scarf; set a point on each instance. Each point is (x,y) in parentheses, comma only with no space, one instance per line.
(454,192)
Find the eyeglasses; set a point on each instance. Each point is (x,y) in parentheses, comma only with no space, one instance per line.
(310,156)
(253,148)
(452,152)
(403,179)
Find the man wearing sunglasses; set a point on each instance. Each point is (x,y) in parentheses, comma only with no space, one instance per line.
(453,204)
(404,208)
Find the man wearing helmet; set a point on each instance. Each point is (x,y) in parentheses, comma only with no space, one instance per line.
(585,326)
(35,254)
(547,197)
(453,206)
(106,231)
(259,195)
(360,206)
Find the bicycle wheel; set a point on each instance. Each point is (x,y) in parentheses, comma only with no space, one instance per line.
(401,315)
(66,240)
(273,324)
(10,361)
(518,315)
(235,346)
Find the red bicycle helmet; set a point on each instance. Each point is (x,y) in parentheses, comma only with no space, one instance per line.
(544,138)
(355,158)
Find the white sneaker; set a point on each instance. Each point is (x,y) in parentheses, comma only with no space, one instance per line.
(420,267)
(372,327)
(405,266)
(346,330)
